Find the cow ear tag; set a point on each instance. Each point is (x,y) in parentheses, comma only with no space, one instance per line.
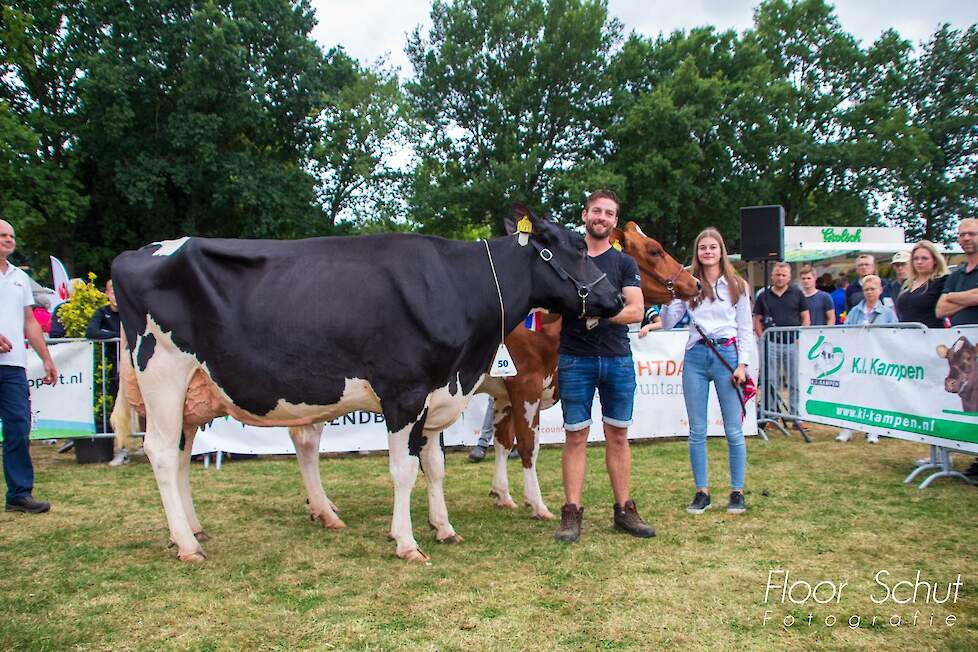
(616,245)
(502,364)
(524,228)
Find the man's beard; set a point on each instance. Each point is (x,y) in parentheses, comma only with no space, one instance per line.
(590,228)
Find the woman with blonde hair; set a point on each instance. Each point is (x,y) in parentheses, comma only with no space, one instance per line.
(719,348)
(922,289)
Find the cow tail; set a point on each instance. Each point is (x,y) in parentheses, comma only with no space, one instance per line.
(123,414)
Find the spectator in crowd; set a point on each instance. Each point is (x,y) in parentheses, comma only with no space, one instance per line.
(901,269)
(718,350)
(960,298)
(839,297)
(42,313)
(104,325)
(825,283)
(865,265)
(923,288)
(478,453)
(821,310)
(651,321)
(868,311)
(782,304)
(600,358)
(16,323)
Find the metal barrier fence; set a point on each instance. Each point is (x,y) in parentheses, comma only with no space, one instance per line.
(779,385)
(106,383)
(780,389)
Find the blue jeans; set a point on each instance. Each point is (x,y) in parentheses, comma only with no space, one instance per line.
(15,410)
(613,377)
(700,367)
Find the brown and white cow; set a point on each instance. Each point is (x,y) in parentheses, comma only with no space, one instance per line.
(518,400)
(962,375)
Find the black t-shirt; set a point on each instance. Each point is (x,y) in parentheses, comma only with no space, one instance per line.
(918,305)
(785,310)
(605,339)
(961,281)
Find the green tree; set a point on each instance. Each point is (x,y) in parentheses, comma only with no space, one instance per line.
(936,181)
(198,122)
(361,129)
(44,47)
(510,95)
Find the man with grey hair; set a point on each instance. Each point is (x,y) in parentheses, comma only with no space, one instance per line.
(17,322)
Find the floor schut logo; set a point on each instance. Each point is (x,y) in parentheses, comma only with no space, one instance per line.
(827,359)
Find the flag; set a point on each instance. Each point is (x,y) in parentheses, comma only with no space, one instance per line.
(60,275)
(532,322)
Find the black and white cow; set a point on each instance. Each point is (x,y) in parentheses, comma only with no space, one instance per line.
(296,333)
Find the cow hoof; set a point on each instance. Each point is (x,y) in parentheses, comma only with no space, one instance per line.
(544,515)
(451,539)
(334,523)
(413,554)
(202,536)
(506,503)
(194,557)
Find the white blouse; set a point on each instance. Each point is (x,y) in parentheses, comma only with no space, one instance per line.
(719,319)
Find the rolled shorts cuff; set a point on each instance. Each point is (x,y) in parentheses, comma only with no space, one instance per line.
(617,423)
(574,427)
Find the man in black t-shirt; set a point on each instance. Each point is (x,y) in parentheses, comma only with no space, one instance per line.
(782,304)
(600,358)
(960,298)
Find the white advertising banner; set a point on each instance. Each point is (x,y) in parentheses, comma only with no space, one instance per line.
(659,412)
(914,384)
(66,408)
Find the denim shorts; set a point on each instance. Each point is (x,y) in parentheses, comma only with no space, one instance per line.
(613,377)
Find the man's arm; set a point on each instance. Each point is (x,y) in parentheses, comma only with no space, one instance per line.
(830,317)
(758,330)
(633,310)
(952,302)
(34,335)
(806,318)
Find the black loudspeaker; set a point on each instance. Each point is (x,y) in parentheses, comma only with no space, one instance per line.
(762,233)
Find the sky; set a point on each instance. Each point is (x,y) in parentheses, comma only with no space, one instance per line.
(371,29)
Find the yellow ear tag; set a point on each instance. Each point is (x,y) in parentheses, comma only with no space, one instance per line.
(616,245)
(524,228)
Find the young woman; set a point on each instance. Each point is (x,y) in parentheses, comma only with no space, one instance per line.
(722,312)
(928,271)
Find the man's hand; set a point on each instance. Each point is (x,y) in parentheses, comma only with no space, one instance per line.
(50,372)
(5,345)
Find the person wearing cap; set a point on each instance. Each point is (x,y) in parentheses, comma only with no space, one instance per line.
(901,267)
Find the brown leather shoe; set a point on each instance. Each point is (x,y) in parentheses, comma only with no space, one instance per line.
(570,523)
(628,520)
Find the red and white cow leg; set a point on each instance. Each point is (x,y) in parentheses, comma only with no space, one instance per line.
(306,442)
(184,479)
(404,473)
(434,473)
(531,485)
(499,490)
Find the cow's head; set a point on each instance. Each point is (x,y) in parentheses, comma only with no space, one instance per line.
(962,372)
(663,278)
(564,279)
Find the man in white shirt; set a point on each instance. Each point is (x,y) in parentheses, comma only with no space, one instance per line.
(16,323)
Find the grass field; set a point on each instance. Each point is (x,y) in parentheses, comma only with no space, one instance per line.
(94,573)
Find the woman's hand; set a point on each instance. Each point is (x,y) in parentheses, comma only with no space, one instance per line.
(740,374)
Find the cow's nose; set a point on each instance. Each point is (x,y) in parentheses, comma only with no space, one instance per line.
(699,286)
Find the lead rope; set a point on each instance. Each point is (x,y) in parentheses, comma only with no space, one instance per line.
(502,310)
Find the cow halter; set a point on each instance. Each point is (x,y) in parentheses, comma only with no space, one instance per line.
(668,284)
(583,289)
